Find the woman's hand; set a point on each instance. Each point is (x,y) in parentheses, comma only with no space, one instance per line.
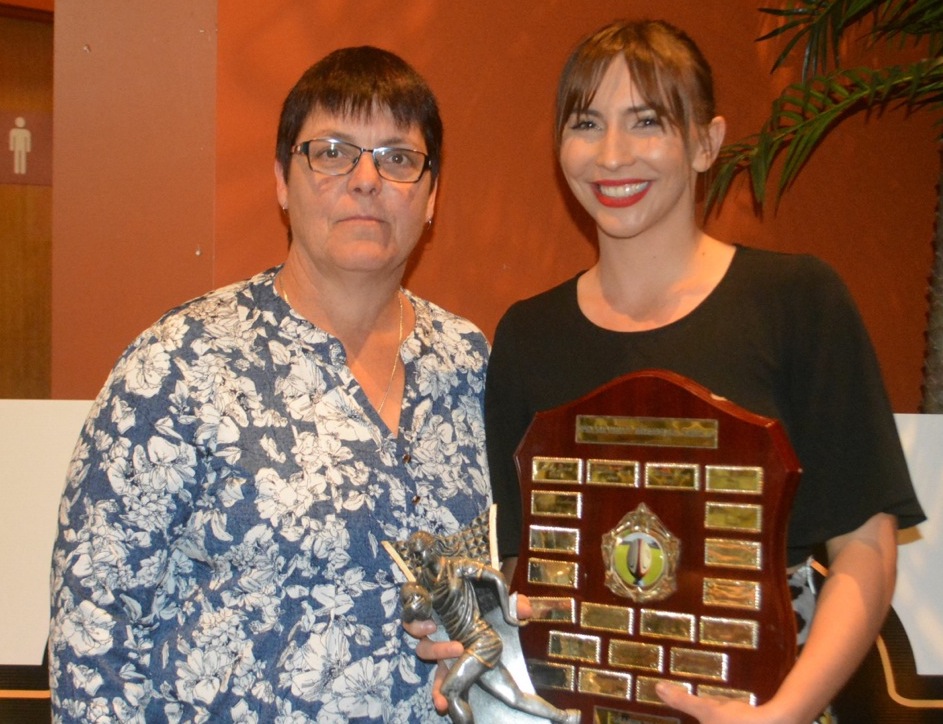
(851,607)
(437,651)
(714,711)
(524,609)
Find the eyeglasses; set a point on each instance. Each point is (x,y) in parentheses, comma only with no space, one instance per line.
(338,158)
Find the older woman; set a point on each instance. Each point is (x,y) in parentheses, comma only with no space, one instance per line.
(218,555)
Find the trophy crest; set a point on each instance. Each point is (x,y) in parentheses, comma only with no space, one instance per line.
(641,557)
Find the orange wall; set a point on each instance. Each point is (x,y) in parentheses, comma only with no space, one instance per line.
(133,175)
(504,227)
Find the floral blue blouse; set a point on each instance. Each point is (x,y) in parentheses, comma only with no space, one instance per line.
(219,554)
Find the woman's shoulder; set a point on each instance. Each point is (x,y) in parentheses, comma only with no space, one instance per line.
(784,271)
(432,319)
(221,297)
(208,313)
(777,263)
(781,263)
(549,305)
(796,292)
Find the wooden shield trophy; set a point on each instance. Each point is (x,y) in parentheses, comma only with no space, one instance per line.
(654,549)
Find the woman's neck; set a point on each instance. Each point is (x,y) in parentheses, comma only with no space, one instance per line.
(348,306)
(640,284)
(370,321)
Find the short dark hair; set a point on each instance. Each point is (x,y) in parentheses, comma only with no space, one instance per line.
(357,82)
(665,65)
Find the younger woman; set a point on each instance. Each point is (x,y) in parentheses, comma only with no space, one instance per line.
(777,334)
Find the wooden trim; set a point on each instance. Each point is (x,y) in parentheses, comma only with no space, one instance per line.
(892,692)
(24,694)
(19,13)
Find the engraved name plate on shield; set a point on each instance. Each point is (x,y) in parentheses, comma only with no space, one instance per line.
(654,549)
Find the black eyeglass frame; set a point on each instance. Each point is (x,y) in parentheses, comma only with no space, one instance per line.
(302,148)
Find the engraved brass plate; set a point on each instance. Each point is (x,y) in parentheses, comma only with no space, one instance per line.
(637,655)
(553,573)
(722,692)
(733,479)
(562,610)
(731,516)
(737,632)
(579,647)
(605,683)
(648,431)
(604,715)
(667,625)
(641,557)
(606,618)
(557,470)
(701,664)
(548,675)
(546,538)
(645,689)
(612,472)
(727,553)
(561,505)
(671,476)
(736,594)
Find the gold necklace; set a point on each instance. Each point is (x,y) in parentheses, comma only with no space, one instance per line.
(399,341)
(280,289)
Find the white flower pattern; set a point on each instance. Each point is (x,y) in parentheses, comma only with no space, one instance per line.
(219,552)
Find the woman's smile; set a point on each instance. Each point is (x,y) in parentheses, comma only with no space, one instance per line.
(621,193)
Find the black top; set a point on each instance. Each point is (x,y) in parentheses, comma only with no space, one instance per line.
(779,335)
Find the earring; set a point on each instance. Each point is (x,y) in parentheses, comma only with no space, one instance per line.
(429,222)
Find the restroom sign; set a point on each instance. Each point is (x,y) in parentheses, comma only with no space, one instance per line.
(26,147)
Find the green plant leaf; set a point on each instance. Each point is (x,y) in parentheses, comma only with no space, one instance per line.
(805,112)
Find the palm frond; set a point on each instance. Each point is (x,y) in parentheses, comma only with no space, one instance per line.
(805,112)
(821,24)
(913,20)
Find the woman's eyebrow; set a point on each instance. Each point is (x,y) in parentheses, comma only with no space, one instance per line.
(631,110)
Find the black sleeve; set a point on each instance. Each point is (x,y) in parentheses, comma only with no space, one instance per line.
(840,421)
(507,417)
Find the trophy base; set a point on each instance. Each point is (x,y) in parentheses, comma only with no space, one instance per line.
(486,707)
